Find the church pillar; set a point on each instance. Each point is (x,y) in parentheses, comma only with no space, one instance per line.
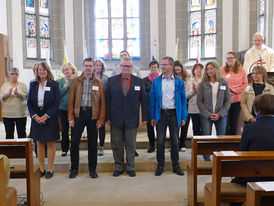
(3,17)
(154,29)
(170,28)
(227,28)
(244,25)
(69,32)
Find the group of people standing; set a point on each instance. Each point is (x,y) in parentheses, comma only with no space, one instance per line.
(170,99)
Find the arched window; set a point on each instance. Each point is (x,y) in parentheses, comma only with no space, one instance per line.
(37,31)
(261,25)
(202,29)
(117,28)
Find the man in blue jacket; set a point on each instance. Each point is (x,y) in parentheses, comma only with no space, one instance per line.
(168,108)
(124,94)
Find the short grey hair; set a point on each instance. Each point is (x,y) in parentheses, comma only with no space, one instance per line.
(126,59)
(13,69)
(170,60)
(258,34)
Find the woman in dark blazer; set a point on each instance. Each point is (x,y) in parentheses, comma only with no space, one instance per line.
(43,104)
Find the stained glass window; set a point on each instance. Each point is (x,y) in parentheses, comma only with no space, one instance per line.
(195,5)
(194,47)
(210,21)
(261,27)
(117,28)
(31,48)
(202,29)
(210,46)
(195,23)
(30,25)
(37,27)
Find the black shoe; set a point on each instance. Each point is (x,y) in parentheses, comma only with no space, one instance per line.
(117,173)
(136,154)
(151,149)
(93,174)
(64,154)
(159,171)
(49,174)
(42,174)
(131,173)
(73,173)
(178,171)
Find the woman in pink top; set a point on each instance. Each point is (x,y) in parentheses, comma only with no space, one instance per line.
(236,78)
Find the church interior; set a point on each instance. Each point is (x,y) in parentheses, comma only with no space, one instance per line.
(189,31)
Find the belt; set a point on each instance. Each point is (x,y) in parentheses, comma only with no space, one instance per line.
(168,110)
(86,108)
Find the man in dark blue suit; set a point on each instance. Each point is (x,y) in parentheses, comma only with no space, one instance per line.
(124,93)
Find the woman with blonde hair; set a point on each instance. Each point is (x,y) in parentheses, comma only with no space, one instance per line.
(43,104)
(257,86)
(213,99)
(69,71)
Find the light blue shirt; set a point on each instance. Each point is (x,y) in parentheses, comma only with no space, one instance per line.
(168,97)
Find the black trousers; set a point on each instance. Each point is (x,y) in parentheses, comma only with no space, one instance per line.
(150,134)
(168,119)
(10,123)
(232,118)
(84,120)
(183,136)
(65,130)
(102,135)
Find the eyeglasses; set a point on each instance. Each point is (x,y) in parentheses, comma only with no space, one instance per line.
(126,66)
(88,65)
(253,73)
(14,74)
(164,65)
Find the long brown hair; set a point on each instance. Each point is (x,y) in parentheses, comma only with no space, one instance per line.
(236,66)
(45,66)
(183,73)
(218,74)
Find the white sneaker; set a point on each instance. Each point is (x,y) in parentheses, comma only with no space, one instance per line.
(183,149)
(101,151)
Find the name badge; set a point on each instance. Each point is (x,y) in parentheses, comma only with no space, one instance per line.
(47,89)
(247,88)
(222,87)
(137,88)
(96,88)
(228,76)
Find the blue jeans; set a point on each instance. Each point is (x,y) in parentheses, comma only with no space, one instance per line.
(206,125)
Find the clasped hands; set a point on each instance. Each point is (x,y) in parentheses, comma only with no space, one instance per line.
(42,119)
(214,117)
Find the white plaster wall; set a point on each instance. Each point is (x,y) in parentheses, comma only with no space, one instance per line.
(154,29)
(272,28)
(227,27)
(244,24)
(69,31)
(3,17)
(170,28)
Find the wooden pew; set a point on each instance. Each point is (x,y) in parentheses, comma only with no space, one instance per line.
(8,195)
(22,148)
(257,196)
(236,164)
(205,145)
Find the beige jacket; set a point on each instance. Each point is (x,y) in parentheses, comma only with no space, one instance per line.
(248,97)
(98,99)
